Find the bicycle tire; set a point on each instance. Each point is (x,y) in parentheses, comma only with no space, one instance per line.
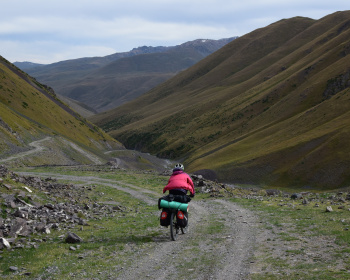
(173,226)
(185,229)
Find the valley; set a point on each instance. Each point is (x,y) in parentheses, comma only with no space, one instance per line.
(261,123)
(269,108)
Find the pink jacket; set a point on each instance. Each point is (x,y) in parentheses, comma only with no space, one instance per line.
(180,180)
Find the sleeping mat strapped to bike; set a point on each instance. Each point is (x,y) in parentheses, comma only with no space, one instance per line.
(173,205)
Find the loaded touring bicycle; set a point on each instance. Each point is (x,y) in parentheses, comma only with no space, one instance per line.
(174,213)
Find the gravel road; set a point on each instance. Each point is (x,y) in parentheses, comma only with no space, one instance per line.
(37,147)
(199,254)
(219,245)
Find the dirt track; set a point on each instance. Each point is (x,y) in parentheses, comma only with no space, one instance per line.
(199,254)
(37,145)
(219,245)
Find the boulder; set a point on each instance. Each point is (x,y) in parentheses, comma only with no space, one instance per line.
(4,243)
(28,189)
(3,171)
(273,192)
(296,196)
(43,228)
(73,238)
(19,227)
(21,214)
(305,201)
(13,268)
(200,183)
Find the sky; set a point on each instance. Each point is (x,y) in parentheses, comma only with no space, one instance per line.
(47,31)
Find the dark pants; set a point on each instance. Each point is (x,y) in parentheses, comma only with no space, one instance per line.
(178,192)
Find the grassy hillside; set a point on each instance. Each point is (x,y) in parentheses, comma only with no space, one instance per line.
(30,111)
(271,107)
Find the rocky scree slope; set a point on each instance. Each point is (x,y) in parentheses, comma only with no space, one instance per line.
(42,205)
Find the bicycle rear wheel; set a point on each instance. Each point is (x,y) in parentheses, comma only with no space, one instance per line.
(185,229)
(173,226)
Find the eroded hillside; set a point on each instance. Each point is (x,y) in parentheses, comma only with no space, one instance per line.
(30,111)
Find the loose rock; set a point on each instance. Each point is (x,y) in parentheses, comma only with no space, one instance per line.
(4,243)
(13,268)
(296,196)
(73,238)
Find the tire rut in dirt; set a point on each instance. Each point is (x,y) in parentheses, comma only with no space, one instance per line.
(238,247)
(203,253)
(163,260)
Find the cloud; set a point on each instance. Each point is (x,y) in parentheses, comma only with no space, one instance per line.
(50,30)
(51,51)
(74,38)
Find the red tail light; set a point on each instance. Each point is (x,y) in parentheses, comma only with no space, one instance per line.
(164,215)
(180,214)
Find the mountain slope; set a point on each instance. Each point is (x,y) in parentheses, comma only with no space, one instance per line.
(121,77)
(271,107)
(81,108)
(30,111)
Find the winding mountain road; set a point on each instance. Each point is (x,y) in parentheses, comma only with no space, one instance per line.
(37,145)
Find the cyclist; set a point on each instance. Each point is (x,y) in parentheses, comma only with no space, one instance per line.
(179,182)
(178,185)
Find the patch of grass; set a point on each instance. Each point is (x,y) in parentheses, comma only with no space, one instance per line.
(286,237)
(102,245)
(295,252)
(305,242)
(109,243)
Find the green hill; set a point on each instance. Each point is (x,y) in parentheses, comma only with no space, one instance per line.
(271,107)
(30,111)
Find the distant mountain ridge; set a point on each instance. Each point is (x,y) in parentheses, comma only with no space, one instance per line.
(271,108)
(107,82)
(27,65)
